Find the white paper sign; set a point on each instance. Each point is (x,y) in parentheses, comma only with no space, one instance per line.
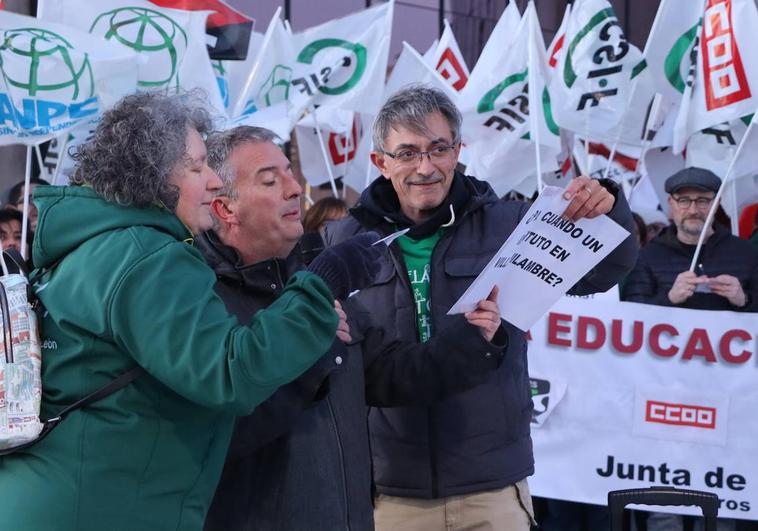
(541,260)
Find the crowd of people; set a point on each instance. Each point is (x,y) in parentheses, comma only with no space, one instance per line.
(298,373)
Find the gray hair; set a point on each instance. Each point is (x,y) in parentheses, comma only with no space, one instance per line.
(220,147)
(409,108)
(137,145)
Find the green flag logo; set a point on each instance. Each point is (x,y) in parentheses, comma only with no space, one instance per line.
(147,32)
(40,61)
(677,55)
(358,55)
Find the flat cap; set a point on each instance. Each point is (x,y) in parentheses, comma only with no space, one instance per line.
(693,178)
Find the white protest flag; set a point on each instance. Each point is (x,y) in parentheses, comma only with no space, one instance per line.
(448,60)
(231,75)
(721,87)
(170,43)
(342,63)
(360,171)
(559,40)
(411,68)
(264,98)
(595,68)
(496,112)
(543,129)
(341,149)
(431,52)
(55,78)
(566,156)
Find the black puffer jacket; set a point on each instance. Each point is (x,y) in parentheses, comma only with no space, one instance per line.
(665,257)
(301,461)
(479,439)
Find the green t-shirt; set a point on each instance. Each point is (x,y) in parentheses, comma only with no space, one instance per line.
(417,255)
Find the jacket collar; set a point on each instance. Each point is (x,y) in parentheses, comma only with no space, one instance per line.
(379,206)
(227,264)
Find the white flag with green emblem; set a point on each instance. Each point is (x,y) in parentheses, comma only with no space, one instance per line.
(595,68)
(170,43)
(55,78)
(342,63)
(497,105)
(264,98)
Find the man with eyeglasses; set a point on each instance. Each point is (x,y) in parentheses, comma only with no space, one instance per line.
(461,463)
(726,275)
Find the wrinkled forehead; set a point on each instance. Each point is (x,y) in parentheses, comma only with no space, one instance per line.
(430,130)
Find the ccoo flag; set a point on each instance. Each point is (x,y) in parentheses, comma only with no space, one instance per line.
(595,67)
(448,60)
(721,88)
(55,78)
(170,43)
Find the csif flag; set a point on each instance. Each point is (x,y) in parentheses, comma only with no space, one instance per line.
(55,78)
(506,106)
(594,71)
(342,63)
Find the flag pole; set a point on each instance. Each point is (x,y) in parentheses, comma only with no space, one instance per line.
(632,91)
(240,104)
(368,165)
(533,121)
(714,205)
(647,138)
(25,215)
(348,146)
(63,144)
(322,145)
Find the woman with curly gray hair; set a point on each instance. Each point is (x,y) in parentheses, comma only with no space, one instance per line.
(127,289)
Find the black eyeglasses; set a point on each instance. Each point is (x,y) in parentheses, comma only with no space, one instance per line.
(411,156)
(700,202)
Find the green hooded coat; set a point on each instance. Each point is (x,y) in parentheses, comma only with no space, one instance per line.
(131,290)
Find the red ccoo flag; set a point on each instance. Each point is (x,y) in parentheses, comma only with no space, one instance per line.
(230,28)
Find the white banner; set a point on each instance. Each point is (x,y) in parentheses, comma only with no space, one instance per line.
(633,395)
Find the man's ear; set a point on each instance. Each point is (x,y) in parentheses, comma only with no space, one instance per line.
(379,160)
(223,209)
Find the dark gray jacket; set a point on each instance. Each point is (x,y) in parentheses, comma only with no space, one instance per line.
(665,257)
(301,461)
(479,439)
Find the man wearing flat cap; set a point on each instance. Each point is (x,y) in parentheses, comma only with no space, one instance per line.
(726,276)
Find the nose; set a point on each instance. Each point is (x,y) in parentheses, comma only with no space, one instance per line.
(425,166)
(292,188)
(214,181)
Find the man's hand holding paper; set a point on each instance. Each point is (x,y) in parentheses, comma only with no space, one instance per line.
(562,236)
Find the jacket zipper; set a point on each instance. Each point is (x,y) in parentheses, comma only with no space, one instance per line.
(342,462)
(400,261)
